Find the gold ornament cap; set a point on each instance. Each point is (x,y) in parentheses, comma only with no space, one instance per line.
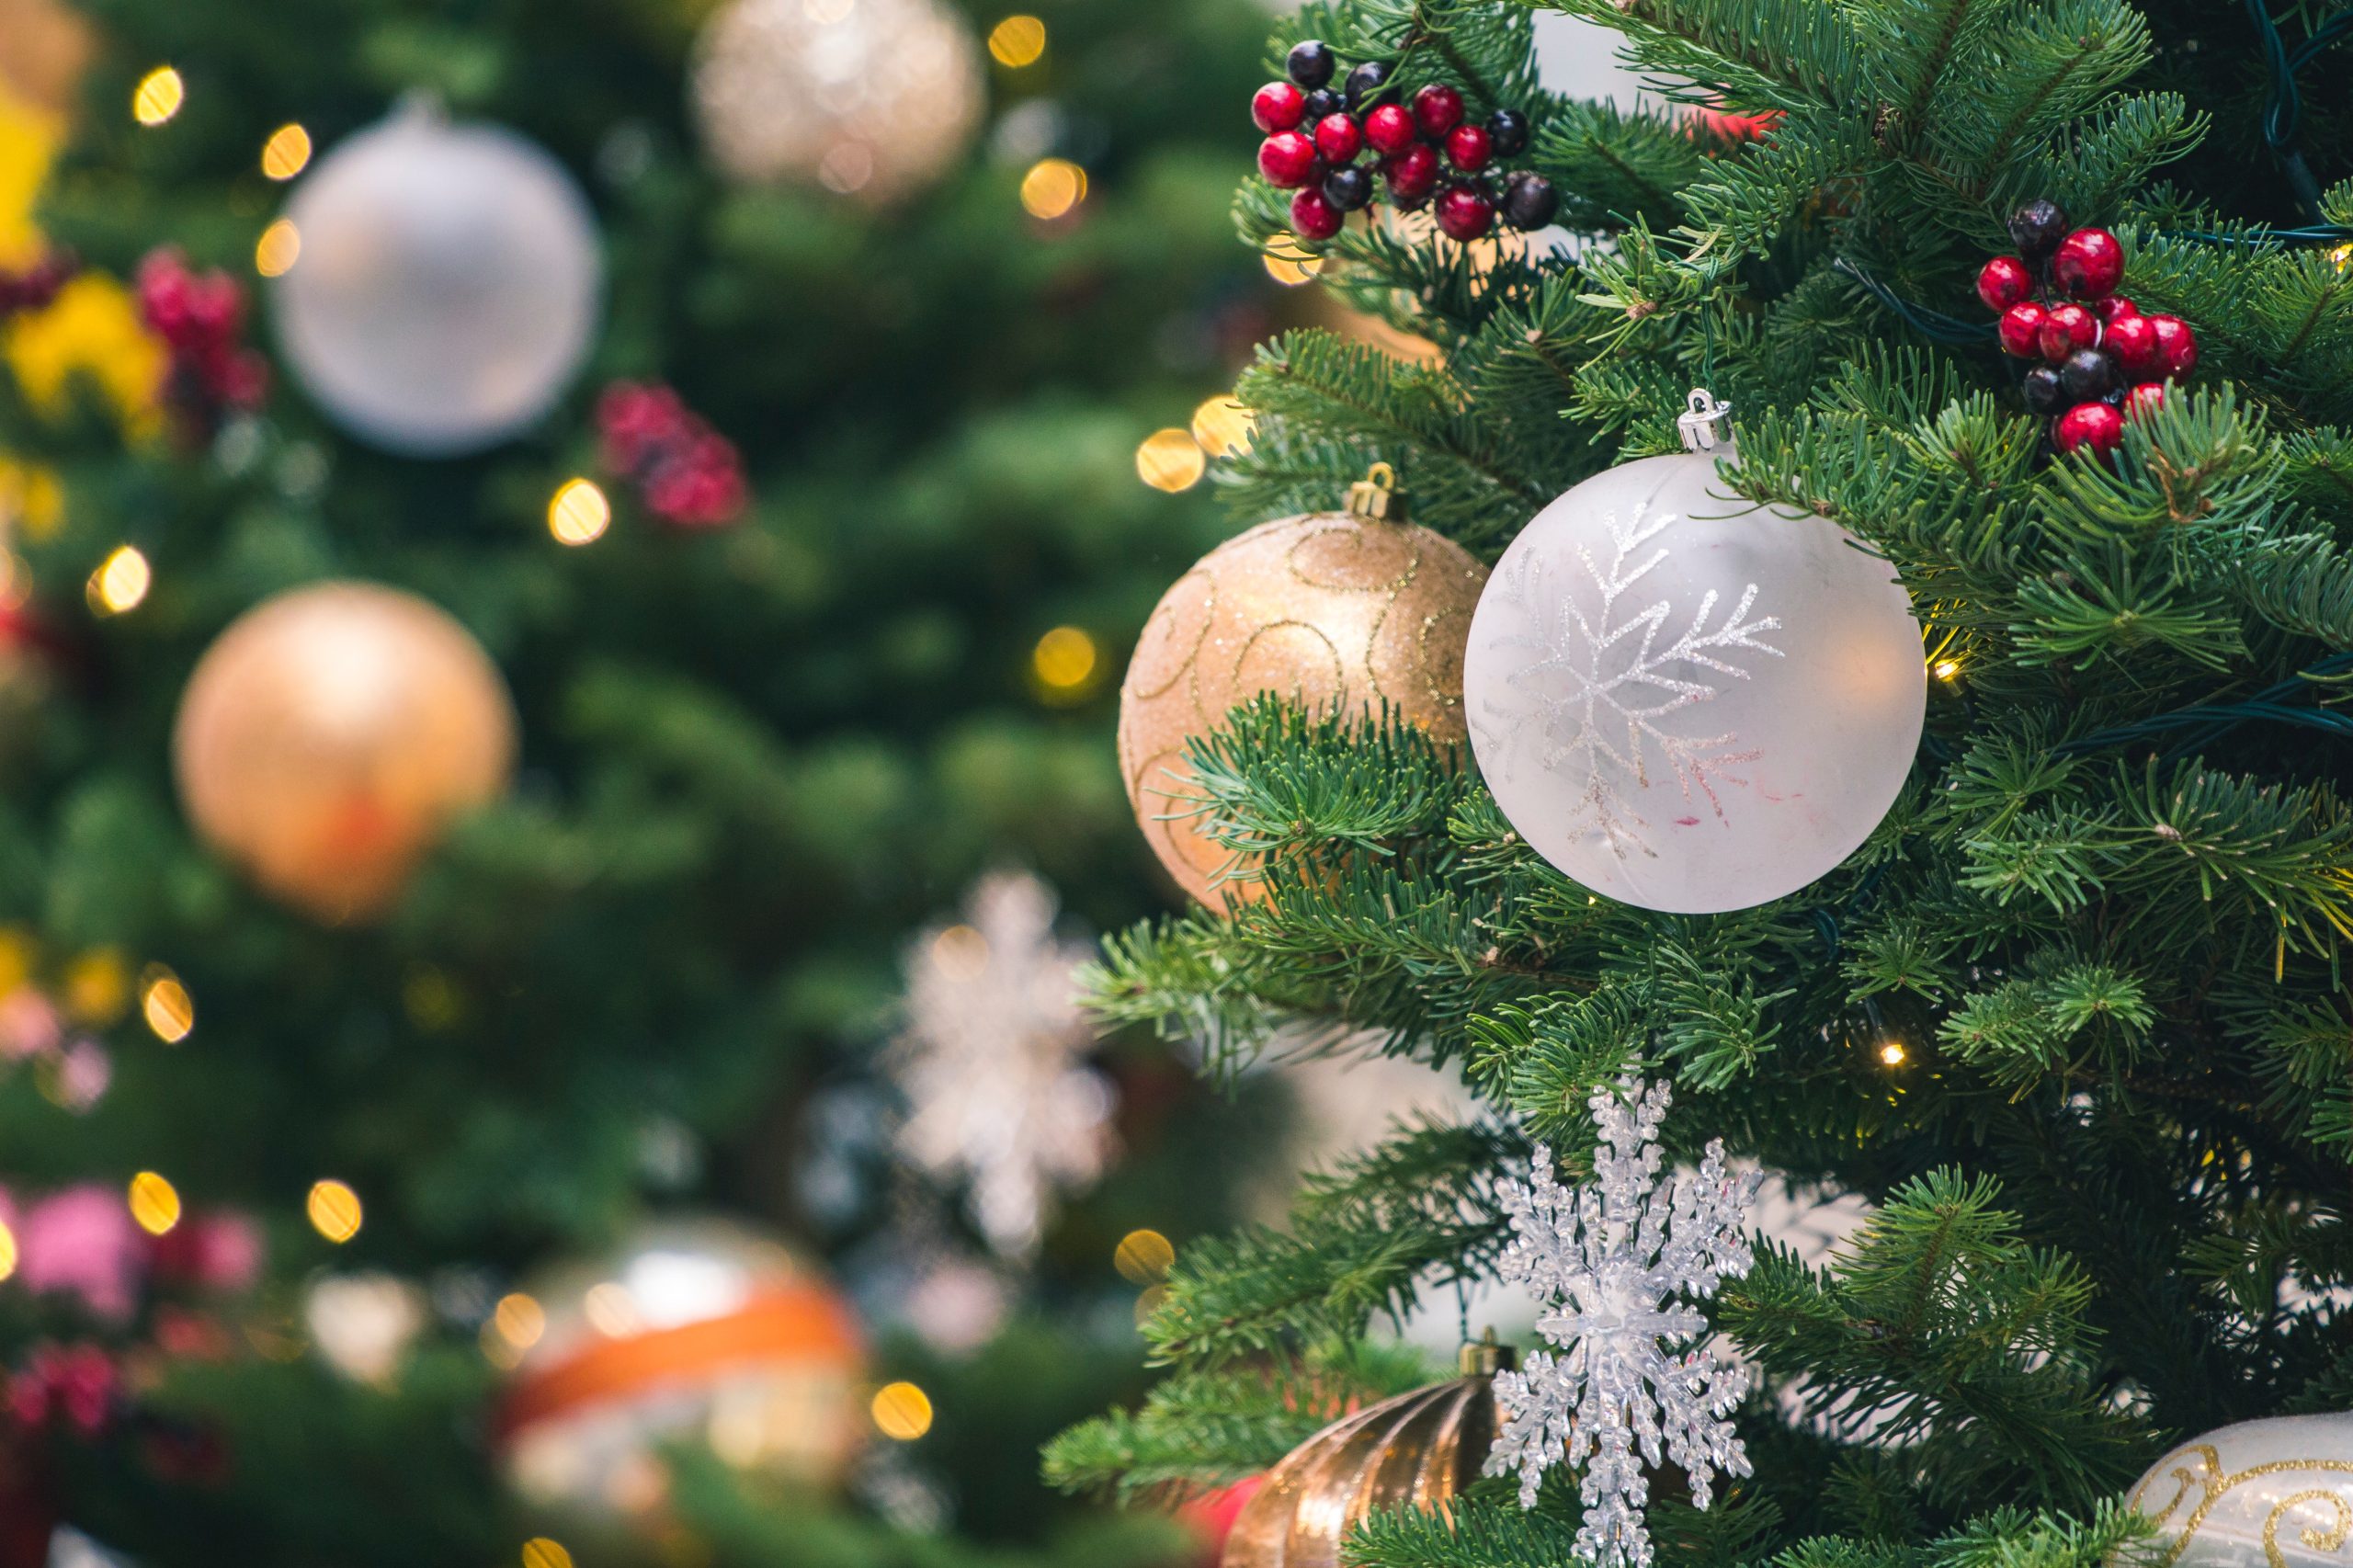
(1485,1355)
(1376,496)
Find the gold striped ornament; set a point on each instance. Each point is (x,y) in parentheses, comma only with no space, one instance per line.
(1420,1449)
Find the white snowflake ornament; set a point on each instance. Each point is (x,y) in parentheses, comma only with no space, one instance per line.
(1688,701)
(1608,1258)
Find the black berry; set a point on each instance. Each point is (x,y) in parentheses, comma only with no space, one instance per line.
(1349,188)
(1367,79)
(2044,392)
(1530,201)
(1507,128)
(1321,105)
(2086,374)
(1312,63)
(2036,229)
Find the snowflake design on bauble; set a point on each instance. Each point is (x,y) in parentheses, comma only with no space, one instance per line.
(993,1062)
(1605,1257)
(1593,675)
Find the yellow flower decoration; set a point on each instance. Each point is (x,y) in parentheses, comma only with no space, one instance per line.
(31,503)
(27,144)
(93,328)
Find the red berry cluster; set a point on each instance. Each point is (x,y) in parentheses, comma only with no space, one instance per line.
(687,474)
(2102,360)
(200,316)
(71,1385)
(1423,149)
(36,286)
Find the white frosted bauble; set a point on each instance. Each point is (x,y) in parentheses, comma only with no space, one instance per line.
(447,288)
(1688,703)
(872,98)
(2273,1493)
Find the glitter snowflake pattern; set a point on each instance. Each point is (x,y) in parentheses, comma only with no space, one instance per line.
(1605,1258)
(991,1061)
(1591,677)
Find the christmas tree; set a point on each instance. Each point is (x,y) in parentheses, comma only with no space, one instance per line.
(798,601)
(1926,775)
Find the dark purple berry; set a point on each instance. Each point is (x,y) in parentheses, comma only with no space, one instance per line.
(1530,201)
(1507,128)
(1349,188)
(1367,79)
(1312,62)
(1321,105)
(2044,392)
(2036,229)
(2086,374)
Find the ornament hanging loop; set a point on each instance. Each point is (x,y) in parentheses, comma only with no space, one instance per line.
(1483,1357)
(1375,496)
(1706,425)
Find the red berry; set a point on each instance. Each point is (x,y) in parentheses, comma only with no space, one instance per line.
(2066,328)
(2134,339)
(2115,308)
(1286,158)
(1412,174)
(2177,344)
(2092,424)
(2003,283)
(1339,138)
(2146,398)
(1314,218)
(1438,109)
(1277,106)
(1468,147)
(1464,213)
(1389,129)
(2021,330)
(2088,263)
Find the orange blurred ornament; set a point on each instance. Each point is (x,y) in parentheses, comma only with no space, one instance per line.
(1334,610)
(694,1332)
(329,737)
(1736,127)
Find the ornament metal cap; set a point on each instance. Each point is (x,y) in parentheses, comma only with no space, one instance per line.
(1375,496)
(1484,1357)
(1707,425)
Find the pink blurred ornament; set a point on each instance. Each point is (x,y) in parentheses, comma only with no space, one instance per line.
(73,1385)
(687,474)
(82,1242)
(82,1073)
(220,1252)
(29,1024)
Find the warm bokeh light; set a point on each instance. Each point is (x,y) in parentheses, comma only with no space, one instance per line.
(1171,459)
(520,1319)
(611,1310)
(1148,1302)
(901,1410)
(1065,661)
(578,512)
(1893,1054)
(1051,188)
(1222,425)
(96,986)
(1017,42)
(1143,1257)
(335,1211)
(158,97)
(155,1203)
(541,1552)
(1286,264)
(280,247)
(960,951)
(166,1006)
(498,1350)
(1946,668)
(7,1250)
(286,152)
(121,582)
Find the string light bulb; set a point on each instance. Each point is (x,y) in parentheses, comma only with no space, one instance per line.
(542,1551)
(1051,188)
(120,583)
(1171,459)
(1017,42)
(1065,661)
(7,1250)
(287,153)
(578,513)
(1892,1054)
(901,1412)
(280,247)
(1144,1257)
(164,1002)
(334,1210)
(1222,425)
(158,97)
(155,1203)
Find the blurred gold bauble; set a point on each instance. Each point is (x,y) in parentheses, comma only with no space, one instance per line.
(694,1333)
(1338,610)
(871,99)
(330,735)
(1420,1449)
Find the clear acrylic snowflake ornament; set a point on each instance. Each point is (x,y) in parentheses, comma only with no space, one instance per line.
(1608,1259)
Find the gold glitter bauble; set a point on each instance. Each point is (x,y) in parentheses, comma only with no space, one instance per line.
(872,98)
(1335,610)
(329,737)
(1420,1449)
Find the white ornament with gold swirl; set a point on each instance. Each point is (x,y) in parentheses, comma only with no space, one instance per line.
(2278,1490)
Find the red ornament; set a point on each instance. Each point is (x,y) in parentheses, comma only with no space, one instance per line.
(1286,158)
(2066,328)
(200,317)
(1468,148)
(1211,1515)
(1464,213)
(689,474)
(2177,344)
(2115,308)
(1339,138)
(2088,263)
(1389,129)
(2021,330)
(1314,218)
(1736,127)
(2146,398)
(1277,106)
(2134,340)
(1437,109)
(1412,174)
(2092,424)
(2003,283)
